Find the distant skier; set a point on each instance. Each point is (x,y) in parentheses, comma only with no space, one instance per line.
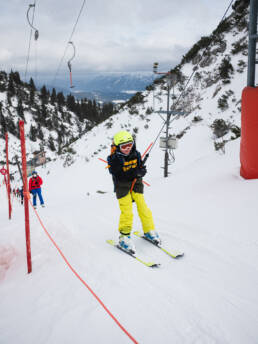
(125,165)
(35,189)
(21,194)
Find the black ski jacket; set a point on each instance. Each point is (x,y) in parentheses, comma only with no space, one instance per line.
(124,171)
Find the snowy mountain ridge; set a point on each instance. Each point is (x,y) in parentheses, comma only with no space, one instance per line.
(212,99)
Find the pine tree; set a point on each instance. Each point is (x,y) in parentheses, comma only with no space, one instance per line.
(10,88)
(20,110)
(40,134)
(51,143)
(226,69)
(107,111)
(55,120)
(32,85)
(10,125)
(44,95)
(18,129)
(59,141)
(42,115)
(71,103)
(9,99)
(33,133)
(3,76)
(53,96)
(60,99)
(16,78)
(3,127)
(32,91)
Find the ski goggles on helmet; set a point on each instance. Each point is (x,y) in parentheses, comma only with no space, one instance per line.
(125,146)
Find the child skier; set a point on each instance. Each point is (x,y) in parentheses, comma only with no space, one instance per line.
(125,165)
(35,188)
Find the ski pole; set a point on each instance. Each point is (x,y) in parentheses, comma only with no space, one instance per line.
(145,155)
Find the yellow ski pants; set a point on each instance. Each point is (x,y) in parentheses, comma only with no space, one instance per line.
(126,217)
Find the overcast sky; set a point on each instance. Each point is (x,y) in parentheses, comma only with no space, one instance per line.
(111,35)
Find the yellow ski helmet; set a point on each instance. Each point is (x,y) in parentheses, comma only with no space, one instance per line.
(122,137)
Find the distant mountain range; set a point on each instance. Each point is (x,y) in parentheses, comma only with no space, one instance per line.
(103,86)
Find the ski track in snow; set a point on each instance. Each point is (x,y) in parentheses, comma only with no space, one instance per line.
(207,296)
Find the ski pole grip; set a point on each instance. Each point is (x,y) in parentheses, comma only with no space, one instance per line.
(145,159)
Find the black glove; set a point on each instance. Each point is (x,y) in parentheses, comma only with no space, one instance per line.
(141,171)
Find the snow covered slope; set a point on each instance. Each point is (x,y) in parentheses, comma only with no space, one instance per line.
(203,208)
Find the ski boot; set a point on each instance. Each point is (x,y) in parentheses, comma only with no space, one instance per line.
(153,236)
(125,242)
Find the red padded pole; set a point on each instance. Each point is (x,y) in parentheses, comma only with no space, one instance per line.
(26,196)
(249,133)
(8,177)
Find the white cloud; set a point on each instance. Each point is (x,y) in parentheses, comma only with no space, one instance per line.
(5,54)
(110,35)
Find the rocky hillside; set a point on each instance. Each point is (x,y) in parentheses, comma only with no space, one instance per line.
(210,79)
(52,120)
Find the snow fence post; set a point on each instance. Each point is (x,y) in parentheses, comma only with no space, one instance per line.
(8,177)
(26,196)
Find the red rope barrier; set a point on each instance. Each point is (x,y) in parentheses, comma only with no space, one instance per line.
(147,150)
(80,278)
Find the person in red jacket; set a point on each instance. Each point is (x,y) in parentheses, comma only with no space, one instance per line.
(35,189)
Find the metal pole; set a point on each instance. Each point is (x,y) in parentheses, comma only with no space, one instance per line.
(19,168)
(167,129)
(252,43)
(26,196)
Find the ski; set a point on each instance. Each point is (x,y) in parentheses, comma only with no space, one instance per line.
(175,254)
(149,264)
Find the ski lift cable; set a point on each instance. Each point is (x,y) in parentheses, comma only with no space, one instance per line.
(28,57)
(69,40)
(188,81)
(32,28)
(226,11)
